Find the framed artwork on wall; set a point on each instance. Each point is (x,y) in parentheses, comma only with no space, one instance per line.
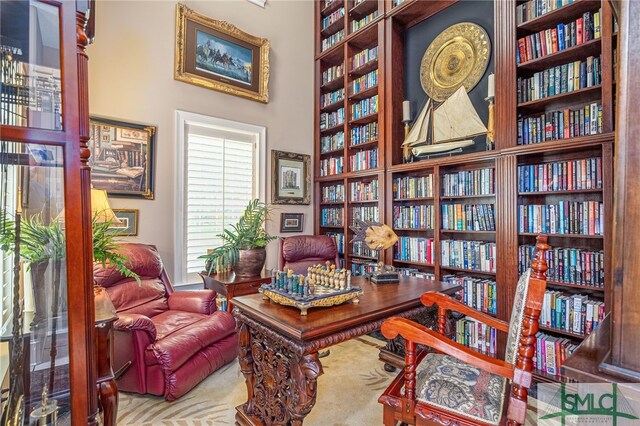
(219,56)
(122,157)
(291,181)
(291,222)
(128,226)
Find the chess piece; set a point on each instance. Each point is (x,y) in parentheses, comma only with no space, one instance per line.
(348,279)
(342,281)
(332,282)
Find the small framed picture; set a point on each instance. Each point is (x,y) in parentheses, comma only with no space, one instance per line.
(291,222)
(291,182)
(128,226)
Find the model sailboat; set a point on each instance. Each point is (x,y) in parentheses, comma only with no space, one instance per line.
(450,126)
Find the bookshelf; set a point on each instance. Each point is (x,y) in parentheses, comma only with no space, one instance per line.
(564,129)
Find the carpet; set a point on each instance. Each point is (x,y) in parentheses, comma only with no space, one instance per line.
(348,394)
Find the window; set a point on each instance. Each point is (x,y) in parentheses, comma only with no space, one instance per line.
(219,171)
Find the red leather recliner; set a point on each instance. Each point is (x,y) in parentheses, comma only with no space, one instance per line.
(301,251)
(173,340)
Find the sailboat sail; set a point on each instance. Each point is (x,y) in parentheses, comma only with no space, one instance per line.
(455,124)
(457,119)
(420,130)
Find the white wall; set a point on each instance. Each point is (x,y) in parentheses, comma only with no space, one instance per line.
(131,79)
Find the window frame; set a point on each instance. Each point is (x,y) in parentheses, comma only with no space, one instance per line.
(184,119)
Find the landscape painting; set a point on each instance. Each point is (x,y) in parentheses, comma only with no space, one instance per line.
(221,57)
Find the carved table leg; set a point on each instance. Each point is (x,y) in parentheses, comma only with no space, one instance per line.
(280,378)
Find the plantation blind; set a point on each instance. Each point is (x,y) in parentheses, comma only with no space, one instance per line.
(220,181)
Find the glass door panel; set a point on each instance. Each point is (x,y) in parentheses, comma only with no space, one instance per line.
(31,94)
(33,282)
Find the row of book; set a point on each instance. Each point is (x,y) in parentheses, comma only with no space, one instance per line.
(367,214)
(365,133)
(413,187)
(333,193)
(361,23)
(30,95)
(332,73)
(414,249)
(364,191)
(471,255)
(332,216)
(419,216)
(361,267)
(364,107)
(567,265)
(331,119)
(363,57)
(364,82)
(551,353)
(573,175)
(415,272)
(564,217)
(332,142)
(573,313)
(339,238)
(364,160)
(477,293)
(332,17)
(469,182)
(476,335)
(332,98)
(559,80)
(331,166)
(562,124)
(535,8)
(332,40)
(561,37)
(360,249)
(468,217)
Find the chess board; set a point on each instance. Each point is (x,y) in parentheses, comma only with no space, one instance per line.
(322,297)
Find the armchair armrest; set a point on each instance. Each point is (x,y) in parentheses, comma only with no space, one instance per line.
(196,301)
(448,303)
(136,322)
(417,333)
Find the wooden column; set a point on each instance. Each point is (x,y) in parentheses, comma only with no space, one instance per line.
(625,344)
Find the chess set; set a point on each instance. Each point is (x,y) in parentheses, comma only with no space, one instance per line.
(324,285)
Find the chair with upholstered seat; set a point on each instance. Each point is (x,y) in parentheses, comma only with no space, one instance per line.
(301,251)
(457,385)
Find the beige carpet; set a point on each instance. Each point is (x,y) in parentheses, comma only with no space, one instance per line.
(348,394)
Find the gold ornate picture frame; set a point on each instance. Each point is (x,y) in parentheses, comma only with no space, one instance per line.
(219,56)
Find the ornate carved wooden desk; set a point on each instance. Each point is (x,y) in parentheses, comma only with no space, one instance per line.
(279,347)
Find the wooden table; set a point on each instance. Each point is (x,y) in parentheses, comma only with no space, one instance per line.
(278,348)
(229,285)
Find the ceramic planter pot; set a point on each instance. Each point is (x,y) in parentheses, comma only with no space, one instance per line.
(250,262)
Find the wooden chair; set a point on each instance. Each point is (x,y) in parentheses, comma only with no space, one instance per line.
(459,386)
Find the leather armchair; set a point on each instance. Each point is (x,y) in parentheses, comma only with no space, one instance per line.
(301,251)
(171,340)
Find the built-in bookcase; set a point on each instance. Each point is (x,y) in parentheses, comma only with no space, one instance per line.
(551,170)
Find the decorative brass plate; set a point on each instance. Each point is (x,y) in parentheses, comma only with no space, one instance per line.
(457,56)
(326,297)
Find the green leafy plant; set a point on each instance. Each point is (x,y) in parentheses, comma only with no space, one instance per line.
(247,234)
(40,242)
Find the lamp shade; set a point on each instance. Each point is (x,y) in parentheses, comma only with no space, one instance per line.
(100,207)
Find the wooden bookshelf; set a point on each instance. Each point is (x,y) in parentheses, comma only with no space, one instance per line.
(387,32)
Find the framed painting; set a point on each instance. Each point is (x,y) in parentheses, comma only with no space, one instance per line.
(217,55)
(122,157)
(128,226)
(291,222)
(291,181)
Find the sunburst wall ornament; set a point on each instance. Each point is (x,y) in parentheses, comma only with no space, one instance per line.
(458,56)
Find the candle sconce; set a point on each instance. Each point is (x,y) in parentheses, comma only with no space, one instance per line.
(491,94)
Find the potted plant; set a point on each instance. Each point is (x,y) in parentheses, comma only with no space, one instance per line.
(43,246)
(244,244)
